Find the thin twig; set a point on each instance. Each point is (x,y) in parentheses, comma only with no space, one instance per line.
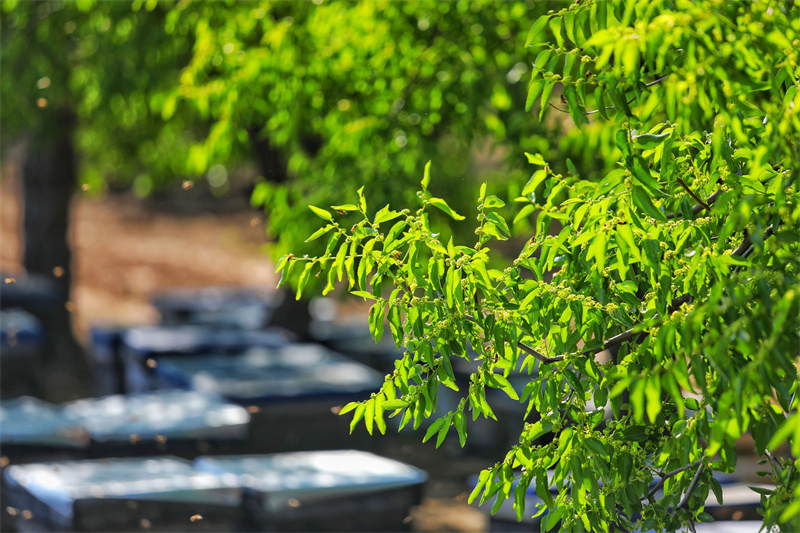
(691,488)
(592,112)
(655,82)
(613,341)
(558,108)
(668,475)
(650,84)
(693,195)
(698,207)
(528,349)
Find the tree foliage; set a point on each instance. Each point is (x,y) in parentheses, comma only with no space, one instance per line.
(110,65)
(336,93)
(355,93)
(656,305)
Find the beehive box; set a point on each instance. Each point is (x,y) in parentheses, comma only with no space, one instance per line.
(142,347)
(236,307)
(157,494)
(183,423)
(343,490)
(291,392)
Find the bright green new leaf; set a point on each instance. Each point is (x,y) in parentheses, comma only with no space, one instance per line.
(441,204)
(321,213)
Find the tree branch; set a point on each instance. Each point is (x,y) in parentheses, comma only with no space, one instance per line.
(699,207)
(528,349)
(692,486)
(666,476)
(693,195)
(541,357)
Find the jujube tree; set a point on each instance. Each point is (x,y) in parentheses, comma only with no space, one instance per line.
(671,325)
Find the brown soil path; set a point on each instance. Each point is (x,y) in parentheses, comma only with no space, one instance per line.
(123,252)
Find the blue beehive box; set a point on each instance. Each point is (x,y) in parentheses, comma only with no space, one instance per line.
(22,342)
(31,429)
(290,391)
(179,422)
(234,307)
(160,494)
(342,490)
(141,347)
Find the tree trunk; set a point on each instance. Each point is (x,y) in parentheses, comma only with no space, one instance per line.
(269,160)
(49,180)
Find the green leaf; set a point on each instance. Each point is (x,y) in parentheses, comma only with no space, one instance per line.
(649,141)
(576,109)
(286,272)
(433,428)
(426,176)
(319,233)
(642,200)
(493,202)
(641,175)
(634,434)
(385,215)
(394,404)
(621,140)
(376,321)
(534,91)
(338,264)
(358,415)
(362,202)
(281,263)
(396,325)
(546,92)
(461,427)
(345,207)
(369,415)
(536,29)
(442,434)
(535,159)
(597,447)
(321,213)
(500,223)
(483,477)
(363,294)
(301,283)
(441,204)
(653,394)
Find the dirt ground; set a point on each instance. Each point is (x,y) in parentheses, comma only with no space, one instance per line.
(124,250)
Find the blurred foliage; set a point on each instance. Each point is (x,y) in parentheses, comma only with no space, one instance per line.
(359,93)
(109,64)
(671,325)
(340,94)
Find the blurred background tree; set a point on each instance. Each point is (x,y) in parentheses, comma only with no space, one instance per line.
(80,91)
(324,97)
(329,97)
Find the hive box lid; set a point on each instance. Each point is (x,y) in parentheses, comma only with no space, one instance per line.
(314,474)
(169,479)
(263,375)
(173,414)
(32,422)
(187,339)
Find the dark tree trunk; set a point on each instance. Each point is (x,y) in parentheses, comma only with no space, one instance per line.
(49,180)
(269,160)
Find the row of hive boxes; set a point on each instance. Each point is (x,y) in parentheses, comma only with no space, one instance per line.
(341,490)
